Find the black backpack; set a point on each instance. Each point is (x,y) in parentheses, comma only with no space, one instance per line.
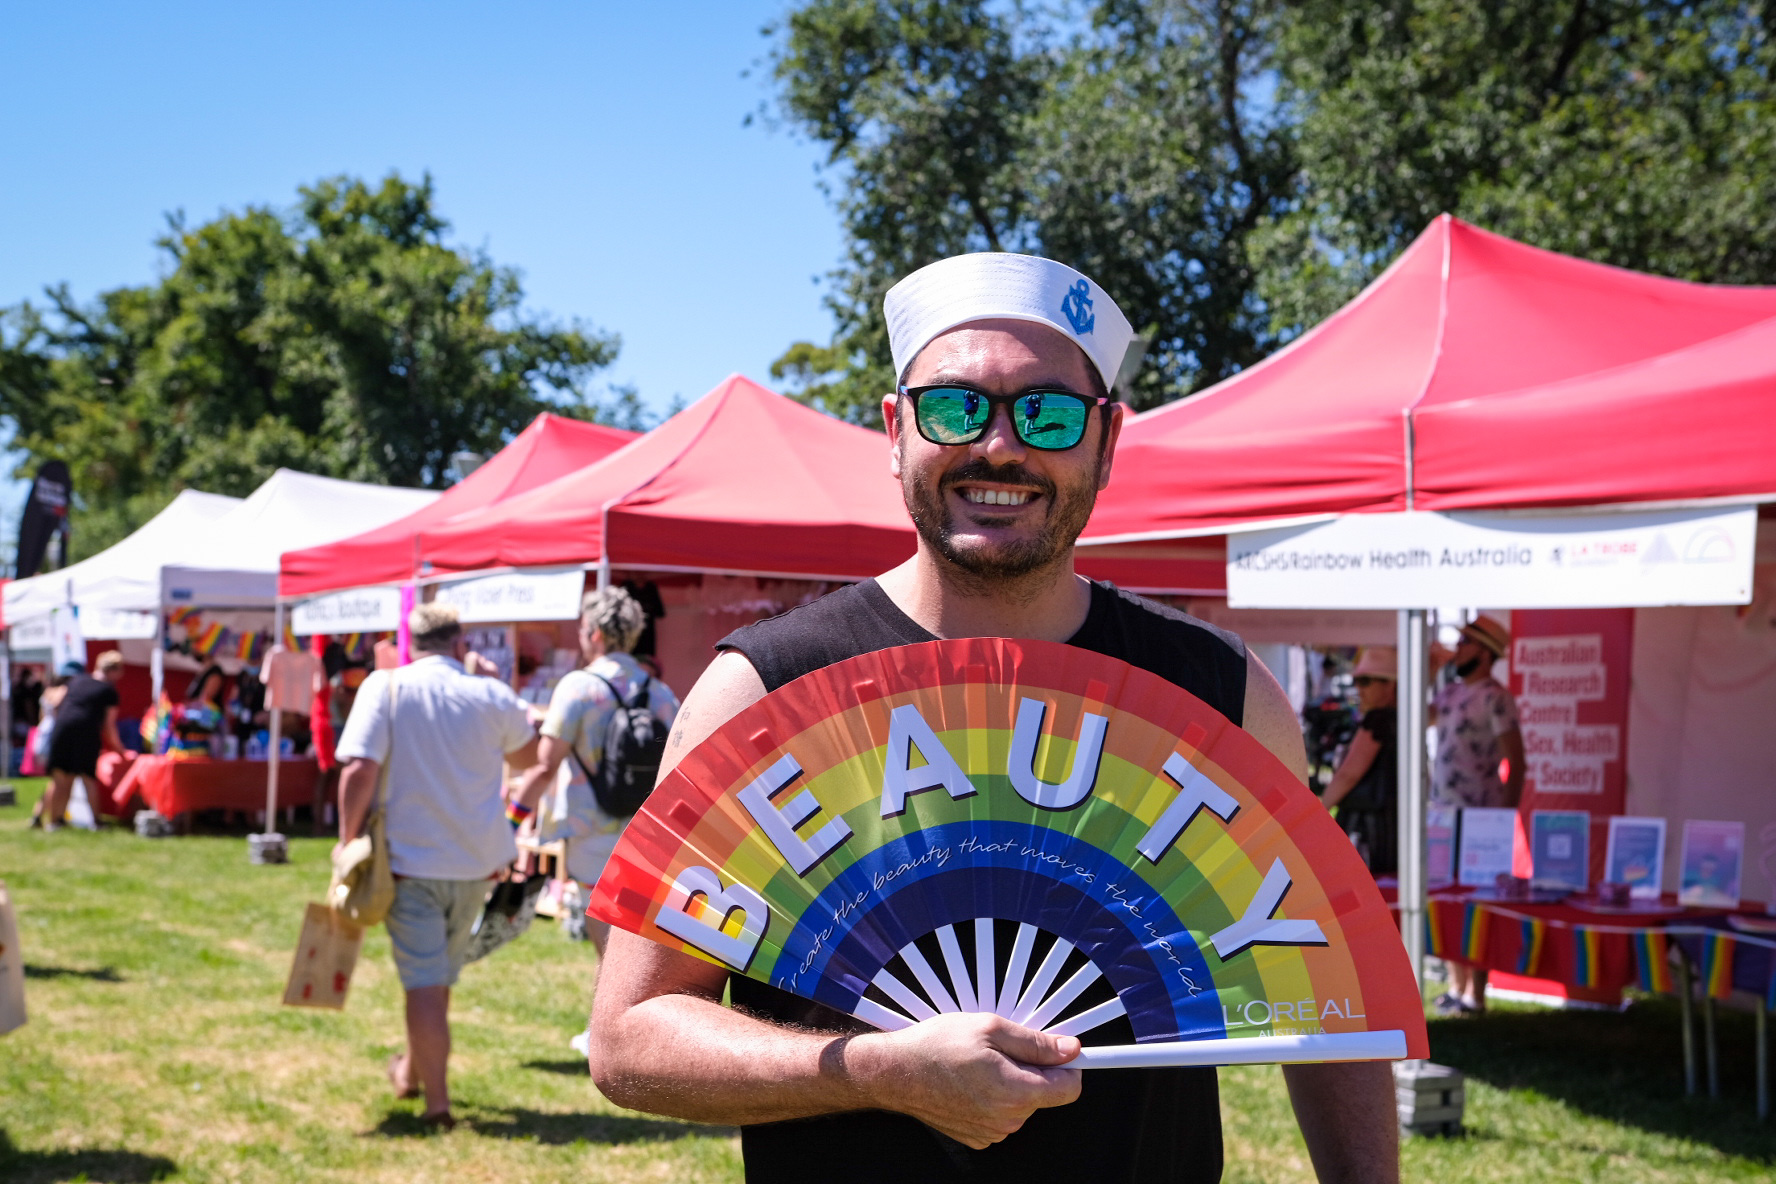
(634,746)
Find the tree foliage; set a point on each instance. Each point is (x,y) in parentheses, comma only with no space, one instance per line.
(344,337)
(1127,147)
(1233,170)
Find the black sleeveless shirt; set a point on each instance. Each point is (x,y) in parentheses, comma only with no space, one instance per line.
(1129,1126)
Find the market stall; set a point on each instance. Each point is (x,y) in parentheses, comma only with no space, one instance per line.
(1604,469)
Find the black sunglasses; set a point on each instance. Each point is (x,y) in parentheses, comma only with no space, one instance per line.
(949,414)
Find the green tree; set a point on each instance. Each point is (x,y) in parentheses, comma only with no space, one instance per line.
(344,337)
(1119,138)
(1635,132)
(1234,170)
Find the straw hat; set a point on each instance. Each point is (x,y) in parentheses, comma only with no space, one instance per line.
(1488,633)
(1378,661)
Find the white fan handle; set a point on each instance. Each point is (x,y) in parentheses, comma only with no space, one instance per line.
(1252,1050)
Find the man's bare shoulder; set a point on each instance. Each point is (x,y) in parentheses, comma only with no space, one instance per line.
(727,687)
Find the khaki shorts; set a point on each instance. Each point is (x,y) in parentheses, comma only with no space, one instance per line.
(429,927)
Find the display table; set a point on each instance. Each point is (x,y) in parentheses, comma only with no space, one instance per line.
(1657,946)
(1575,941)
(175,787)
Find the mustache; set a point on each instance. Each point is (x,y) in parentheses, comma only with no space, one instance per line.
(980,470)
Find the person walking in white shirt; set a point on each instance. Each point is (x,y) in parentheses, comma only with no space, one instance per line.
(443,733)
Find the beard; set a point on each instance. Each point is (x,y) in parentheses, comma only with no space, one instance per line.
(1068,510)
(1467,668)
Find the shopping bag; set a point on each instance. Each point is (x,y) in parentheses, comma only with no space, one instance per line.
(511,907)
(325,958)
(12,968)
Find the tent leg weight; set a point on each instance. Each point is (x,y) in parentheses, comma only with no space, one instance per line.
(1429,1098)
(268,848)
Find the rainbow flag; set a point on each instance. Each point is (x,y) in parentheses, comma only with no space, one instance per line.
(204,642)
(290,642)
(1529,956)
(246,647)
(1587,962)
(185,614)
(1474,926)
(1650,957)
(1717,965)
(1434,935)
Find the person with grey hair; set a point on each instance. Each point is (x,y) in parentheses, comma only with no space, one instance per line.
(442,734)
(580,712)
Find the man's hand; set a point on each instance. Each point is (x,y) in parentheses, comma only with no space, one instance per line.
(974,1077)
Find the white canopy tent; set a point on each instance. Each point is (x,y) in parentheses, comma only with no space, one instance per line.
(234,563)
(125,575)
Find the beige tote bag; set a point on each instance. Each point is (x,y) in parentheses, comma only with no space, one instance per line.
(363,888)
(12,968)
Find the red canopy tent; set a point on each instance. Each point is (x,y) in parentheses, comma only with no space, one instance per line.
(1476,371)
(551,447)
(742,482)
(1692,424)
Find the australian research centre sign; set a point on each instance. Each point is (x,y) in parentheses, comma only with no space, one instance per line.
(1524,560)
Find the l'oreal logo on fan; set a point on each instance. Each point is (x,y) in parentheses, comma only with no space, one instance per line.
(1302,1011)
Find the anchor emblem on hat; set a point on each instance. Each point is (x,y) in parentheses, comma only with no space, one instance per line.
(1076,306)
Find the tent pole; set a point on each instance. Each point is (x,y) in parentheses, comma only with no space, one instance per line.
(157,664)
(604,538)
(5,703)
(1414,669)
(277,727)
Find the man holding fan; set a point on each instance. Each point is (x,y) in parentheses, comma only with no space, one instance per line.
(1002,432)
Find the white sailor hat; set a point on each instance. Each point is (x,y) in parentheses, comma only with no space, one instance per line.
(995,284)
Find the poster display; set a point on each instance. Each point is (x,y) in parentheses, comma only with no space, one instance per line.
(1559,845)
(1484,845)
(1571,670)
(1439,845)
(1636,855)
(1713,858)
(1028,829)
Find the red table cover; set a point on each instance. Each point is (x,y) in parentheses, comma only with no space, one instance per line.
(173,787)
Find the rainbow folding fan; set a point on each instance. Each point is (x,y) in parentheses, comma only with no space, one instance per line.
(1029,829)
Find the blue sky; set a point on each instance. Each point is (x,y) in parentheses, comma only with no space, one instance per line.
(600,148)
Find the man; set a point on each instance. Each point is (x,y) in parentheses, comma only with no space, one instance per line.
(442,732)
(1477,730)
(85,726)
(611,622)
(1001,436)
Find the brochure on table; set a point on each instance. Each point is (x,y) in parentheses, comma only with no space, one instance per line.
(1713,857)
(1484,847)
(1560,849)
(1439,846)
(1636,855)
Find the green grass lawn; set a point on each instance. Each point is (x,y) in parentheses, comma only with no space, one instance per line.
(157,1050)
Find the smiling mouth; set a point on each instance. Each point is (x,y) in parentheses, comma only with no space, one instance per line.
(996,497)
